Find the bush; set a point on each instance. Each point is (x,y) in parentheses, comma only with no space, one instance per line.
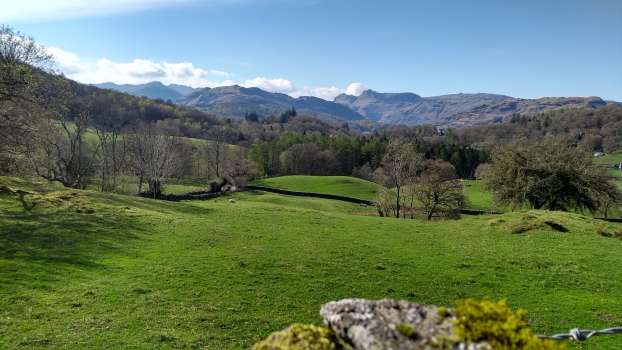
(551,175)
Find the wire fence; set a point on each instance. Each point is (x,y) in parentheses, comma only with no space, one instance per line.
(577,334)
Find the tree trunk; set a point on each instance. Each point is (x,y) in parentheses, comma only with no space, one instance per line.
(155,188)
(397,208)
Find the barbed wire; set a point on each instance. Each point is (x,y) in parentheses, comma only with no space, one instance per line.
(577,334)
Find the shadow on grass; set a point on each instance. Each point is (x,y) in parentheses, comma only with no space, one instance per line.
(40,247)
(74,230)
(155,205)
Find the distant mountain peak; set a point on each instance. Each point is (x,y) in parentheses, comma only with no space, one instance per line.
(152,89)
(460,109)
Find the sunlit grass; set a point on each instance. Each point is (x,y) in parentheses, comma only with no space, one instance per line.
(86,270)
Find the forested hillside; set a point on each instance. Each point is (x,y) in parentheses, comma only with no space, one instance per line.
(593,129)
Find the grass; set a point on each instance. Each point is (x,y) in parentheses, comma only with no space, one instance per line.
(339,185)
(477,197)
(609,158)
(89,270)
(128,185)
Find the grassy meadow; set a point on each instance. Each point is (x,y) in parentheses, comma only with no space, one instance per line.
(477,196)
(338,185)
(609,158)
(89,270)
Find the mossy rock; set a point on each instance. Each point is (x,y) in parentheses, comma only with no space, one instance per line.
(497,325)
(402,325)
(300,337)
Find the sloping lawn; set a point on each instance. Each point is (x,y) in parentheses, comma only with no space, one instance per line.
(338,185)
(86,270)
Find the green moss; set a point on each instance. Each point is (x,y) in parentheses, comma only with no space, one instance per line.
(443,312)
(407,330)
(495,323)
(300,337)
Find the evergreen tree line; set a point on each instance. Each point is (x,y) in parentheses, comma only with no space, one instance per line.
(359,155)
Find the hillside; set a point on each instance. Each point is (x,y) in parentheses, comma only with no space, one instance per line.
(154,90)
(236,101)
(455,110)
(93,270)
(338,185)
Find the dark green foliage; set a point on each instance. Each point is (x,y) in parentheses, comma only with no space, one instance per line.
(552,175)
(352,151)
(438,190)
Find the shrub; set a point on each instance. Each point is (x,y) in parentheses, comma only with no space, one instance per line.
(550,174)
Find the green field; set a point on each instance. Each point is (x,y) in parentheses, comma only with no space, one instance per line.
(477,197)
(89,270)
(339,185)
(609,158)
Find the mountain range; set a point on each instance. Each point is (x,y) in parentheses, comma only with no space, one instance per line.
(455,110)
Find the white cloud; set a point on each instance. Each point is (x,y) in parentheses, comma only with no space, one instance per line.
(69,62)
(327,93)
(219,73)
(280,85)
(355,89)
(61,9)
(140,71)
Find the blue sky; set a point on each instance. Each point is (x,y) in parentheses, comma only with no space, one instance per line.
(520,48)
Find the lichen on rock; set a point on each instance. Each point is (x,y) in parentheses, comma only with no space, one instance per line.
(391,324)
(388,324)
(496,324)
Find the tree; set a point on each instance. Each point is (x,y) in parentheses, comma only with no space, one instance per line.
(400,166)
(238,170)
(385,201)
(153,155)
(307,159)
(438,190)
(62,154)
(363,172)
(217,149)
(108,130)
(481,171)
(19,57)
(550,174)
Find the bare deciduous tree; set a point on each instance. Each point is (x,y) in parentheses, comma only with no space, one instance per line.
(19,55)
(217,149)
(153,155)
(400,166)
(238,169)
(307,159)
(111,150)
(63,155)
